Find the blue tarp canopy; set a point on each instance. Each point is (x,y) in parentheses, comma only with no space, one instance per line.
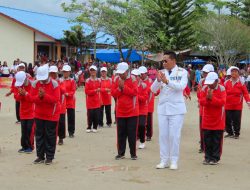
(247,61)
(195,61)
(113,55)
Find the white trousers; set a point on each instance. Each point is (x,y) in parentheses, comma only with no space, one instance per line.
(169,137)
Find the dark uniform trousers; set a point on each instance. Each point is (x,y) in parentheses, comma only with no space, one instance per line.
(201,135)
(127,128)
(61,127)
(233,122)
(27,138)
(142,127)
(149,127)
(213,141)
(107,113)
(71,120)
(93,117)
(46,132)
(18,111)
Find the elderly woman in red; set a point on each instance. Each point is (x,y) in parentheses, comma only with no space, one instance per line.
(213,99)
(236,90)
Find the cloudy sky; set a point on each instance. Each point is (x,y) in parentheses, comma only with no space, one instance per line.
(45,6)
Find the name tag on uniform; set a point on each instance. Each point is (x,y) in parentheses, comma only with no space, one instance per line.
(176,78)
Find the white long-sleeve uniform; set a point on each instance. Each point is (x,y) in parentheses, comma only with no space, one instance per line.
(171,110)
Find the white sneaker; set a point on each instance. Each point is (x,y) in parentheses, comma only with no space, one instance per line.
(162,166)
(173,167)
(88,131)
(94,130)
(142,146)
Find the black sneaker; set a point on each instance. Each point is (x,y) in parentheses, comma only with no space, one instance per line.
(229,136)
(48,161)
(201,150)
(28,151)
(213,162)
(148,139)
(119,157)
(236,136)
(60,142)
(71,136)
(133,158)
(22,150)
(39,161)
(206,162)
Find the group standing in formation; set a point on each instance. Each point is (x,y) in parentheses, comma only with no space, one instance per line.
(47,99)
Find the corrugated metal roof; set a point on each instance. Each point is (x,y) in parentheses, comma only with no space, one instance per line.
(49,24)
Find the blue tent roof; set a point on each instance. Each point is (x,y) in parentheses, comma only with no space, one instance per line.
(50,25)
(247,61)
(195,61)
(113,55)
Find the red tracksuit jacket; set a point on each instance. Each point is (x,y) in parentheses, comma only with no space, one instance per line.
(93,98)
(213,111)
(26,105)
(46,108)
(235,94)
(127,100)
(151,95)
(12,87)
(199,90)
(62,96)
(186,91)
(70,89)
(143,98)
(106,96)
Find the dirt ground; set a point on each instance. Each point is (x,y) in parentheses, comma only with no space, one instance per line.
(87,161)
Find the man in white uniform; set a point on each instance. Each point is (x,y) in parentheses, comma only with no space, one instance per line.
(171,109)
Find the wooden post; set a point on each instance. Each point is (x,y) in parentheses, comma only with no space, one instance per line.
(59,51)
(35,51)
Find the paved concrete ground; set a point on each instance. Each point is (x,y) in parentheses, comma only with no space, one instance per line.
(87,161)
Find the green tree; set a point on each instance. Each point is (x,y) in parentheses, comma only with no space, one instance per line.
(172,23)
(235,7)
(87,13)
(219,5)
(126,21)
(201,8)
(245,14)
(224,41)
(76,38)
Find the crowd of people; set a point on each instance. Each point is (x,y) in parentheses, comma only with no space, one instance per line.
(44,98)
(195,74)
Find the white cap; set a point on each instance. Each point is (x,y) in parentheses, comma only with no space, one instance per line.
(142,69)
(122,68)
(208,68)
(53,69)
(104,69)
(233,67)
(190,65)
(42,72)
(228,71)
(79,72)
(93,67)
(211,77)
(21,65)
(66,68)
(136,72)
(20,78)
